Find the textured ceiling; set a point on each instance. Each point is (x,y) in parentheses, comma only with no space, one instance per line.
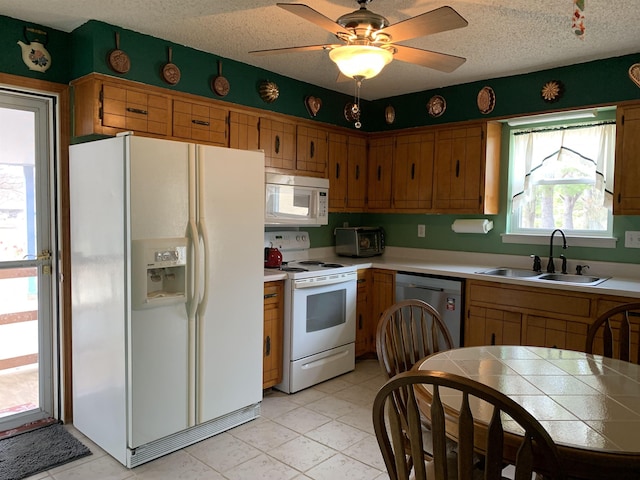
(504,37)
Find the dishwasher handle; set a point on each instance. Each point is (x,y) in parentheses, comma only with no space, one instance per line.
(421,287)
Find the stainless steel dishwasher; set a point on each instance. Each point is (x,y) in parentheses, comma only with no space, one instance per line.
(442,293)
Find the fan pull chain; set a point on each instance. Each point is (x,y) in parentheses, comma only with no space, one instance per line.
(355,109)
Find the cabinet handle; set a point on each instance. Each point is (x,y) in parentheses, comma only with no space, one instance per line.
(337,170)
(379,172)
(357,172)
(493,339)
(200,122)
(137,110)
(360,322)
(413,171)
(277,143)
(312,149)
(270,295)
(457,168)
(268,346)
(619,197)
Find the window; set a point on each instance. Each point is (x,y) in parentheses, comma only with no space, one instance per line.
(562,177)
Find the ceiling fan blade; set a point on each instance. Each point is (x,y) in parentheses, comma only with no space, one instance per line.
(437,61)
(307,48)
(313,16)
(438,20)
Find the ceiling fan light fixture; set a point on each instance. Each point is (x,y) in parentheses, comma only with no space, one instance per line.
(364,61)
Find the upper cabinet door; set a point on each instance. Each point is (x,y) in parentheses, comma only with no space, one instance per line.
(243,131)
(278,140)
(413,171)
(467,168)
(379,173)
(200,122)
(312,151)
(357,176)
(626,194)
(338,148)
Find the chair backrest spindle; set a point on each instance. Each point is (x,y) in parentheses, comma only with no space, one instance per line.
(536,451)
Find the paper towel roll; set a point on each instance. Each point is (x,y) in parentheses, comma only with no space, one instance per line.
(481,225)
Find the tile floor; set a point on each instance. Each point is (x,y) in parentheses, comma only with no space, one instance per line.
(321,433)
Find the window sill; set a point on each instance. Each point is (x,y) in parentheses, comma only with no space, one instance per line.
(593,242)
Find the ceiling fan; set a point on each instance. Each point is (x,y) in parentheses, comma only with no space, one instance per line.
(369,42)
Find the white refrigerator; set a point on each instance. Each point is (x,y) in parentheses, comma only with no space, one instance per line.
(167,292)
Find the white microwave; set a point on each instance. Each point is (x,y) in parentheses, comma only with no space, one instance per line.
(294,200)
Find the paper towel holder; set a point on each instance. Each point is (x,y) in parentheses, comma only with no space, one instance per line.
(479,225)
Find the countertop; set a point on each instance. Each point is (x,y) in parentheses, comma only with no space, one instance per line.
(624,281)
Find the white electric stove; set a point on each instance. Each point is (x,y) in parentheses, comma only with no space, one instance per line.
(319,314)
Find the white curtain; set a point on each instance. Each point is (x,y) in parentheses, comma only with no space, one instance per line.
(595,143)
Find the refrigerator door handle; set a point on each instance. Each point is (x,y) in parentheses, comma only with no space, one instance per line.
(202,230)
(195,292)
(195,241)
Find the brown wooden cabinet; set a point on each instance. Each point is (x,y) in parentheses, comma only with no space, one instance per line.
(413,171)
(357,173)
(312,151)
(338,171)
(383,294)
(200,122)
(364,323)
(501,314)
(347,160)
(380,165)
(604,303)
(278,140)
(626,193)
(108,107)
(492,326)
(466,173)
(273,331)
(243,131)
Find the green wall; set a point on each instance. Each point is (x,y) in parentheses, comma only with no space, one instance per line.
(94,40)
(593,83)
(58,44)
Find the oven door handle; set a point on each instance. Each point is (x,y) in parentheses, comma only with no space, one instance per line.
(323,282)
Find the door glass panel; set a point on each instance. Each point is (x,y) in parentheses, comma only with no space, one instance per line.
(25,278)
(18,341)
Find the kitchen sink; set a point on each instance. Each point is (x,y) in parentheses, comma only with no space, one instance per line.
(566,278)
(510,272)
(549,277)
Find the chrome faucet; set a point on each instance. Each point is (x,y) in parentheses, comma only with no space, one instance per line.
(551,268)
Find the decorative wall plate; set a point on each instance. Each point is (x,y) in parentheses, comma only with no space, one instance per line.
(486,100)
(313,105)
(552,91)
(634,73)
(351,112)
(389,114)
(268,91)
(436,106)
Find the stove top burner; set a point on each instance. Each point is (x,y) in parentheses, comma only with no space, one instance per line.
(293,269)
(320,264)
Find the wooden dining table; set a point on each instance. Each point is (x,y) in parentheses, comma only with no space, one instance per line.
(589,404)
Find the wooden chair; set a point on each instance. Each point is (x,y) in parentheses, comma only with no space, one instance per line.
(537,451)
(619,345)
(407,332)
